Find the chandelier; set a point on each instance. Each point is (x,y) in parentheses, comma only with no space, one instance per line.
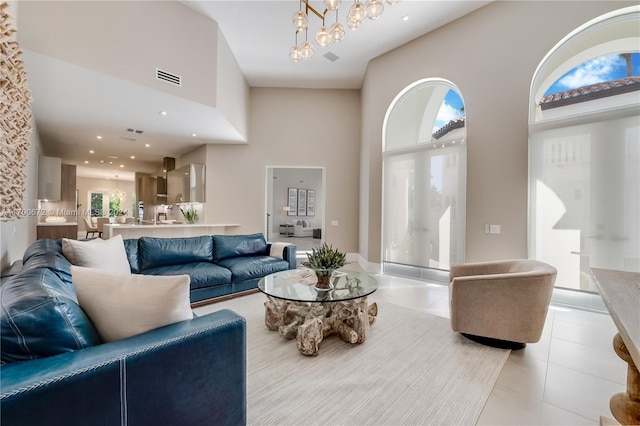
(356,15)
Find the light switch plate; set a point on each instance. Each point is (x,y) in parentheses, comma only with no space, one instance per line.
(494,229)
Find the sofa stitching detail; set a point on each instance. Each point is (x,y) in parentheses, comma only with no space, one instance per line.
(123,392)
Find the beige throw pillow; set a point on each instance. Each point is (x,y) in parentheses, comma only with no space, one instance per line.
(109,255)
(125,305)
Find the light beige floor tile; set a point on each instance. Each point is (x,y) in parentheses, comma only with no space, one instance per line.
(582,394)
(583,334)
(540,349)
(555,416)
(440,308)
(505,407)
(592,319)
(523,374)
(596,361)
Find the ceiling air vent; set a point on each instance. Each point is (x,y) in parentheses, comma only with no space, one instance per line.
(168,77)
(331,56)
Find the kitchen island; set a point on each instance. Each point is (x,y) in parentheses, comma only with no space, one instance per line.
(57,230)
(164,230)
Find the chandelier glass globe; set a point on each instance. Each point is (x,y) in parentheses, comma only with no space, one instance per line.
(323,37)
(392,2)
(295,54)
(356,13)
(300,21)
(306,50)
(354,25)
(332,4)
(374,9)
(337,32)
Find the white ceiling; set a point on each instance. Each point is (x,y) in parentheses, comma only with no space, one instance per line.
(73,105)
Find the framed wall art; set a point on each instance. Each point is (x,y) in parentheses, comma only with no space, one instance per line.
(311,202)
(302,202)
(293,202)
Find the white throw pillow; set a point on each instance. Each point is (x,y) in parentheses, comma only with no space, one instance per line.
(109,255)
(122,306)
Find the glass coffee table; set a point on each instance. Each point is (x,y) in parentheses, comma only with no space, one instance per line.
(297,310)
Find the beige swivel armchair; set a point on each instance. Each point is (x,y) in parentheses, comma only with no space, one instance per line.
(501,303)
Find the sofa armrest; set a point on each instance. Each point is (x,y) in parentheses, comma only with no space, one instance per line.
(289,254)
(189,373)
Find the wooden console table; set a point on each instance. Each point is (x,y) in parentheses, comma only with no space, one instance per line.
(620,292)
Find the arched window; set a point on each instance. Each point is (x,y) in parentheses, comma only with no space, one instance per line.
(424,179)
(584,151)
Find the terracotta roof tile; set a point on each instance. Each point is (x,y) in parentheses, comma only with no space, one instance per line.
(450,126)
(590,92)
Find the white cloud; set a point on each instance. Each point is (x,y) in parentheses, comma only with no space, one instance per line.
(591,72)
(447,113)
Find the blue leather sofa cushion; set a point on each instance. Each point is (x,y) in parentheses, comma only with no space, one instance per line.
(202,274)
(226,246)
(40,317)
(44,245)
(246,268)
(53,261)
(131,247)
(154,252)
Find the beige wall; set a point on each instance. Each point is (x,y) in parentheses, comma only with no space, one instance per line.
(291,127)
(128,39)
(491,55)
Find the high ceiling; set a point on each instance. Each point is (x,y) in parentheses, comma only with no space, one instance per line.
(73,105)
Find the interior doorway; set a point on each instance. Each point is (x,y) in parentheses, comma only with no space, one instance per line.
(295,206)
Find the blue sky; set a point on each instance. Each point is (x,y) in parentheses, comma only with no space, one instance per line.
(604,68)
(450,110)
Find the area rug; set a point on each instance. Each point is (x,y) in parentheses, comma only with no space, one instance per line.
(411,370)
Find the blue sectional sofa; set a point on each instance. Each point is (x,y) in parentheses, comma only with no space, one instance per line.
(218,265)
(56,371)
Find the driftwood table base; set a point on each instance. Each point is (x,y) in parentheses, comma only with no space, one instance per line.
(311,322)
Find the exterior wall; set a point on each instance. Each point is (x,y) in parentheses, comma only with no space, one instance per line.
(491,54)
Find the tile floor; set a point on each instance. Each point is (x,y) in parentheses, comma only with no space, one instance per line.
(565,379)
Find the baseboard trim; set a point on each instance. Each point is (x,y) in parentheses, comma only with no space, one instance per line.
(223,298)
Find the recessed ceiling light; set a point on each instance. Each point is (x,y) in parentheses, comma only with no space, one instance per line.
(86,162)
(121,165)
(146,145)
(91,151)
(194,134)
(110,162)
(163,113)
(101,161)
(98,137)
(405,18)
(133,157)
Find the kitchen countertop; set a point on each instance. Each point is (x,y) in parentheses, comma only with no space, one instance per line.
(168,225)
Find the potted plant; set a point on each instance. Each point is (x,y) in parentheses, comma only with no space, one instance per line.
(121,216)
(324,260)
(190,214)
